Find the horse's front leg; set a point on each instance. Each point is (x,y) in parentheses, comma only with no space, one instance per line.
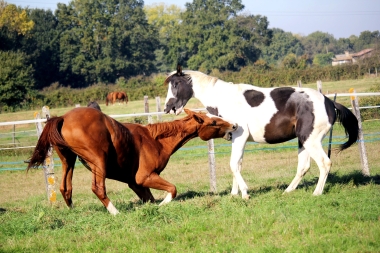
(144,193)
(239,139)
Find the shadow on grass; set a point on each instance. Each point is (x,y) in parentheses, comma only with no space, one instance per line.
(356,178)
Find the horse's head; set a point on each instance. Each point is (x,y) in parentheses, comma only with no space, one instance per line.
(180,91)
(211,127)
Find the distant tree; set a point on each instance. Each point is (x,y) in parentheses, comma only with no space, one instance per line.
(16,81)
(103,40)
(212,36)
(318,43)
(42,47)
(282,44)
(323,59)
(344,44)
(164,18)
(289,61)
(14,19)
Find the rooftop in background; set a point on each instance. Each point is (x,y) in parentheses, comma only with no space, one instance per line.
(351,58)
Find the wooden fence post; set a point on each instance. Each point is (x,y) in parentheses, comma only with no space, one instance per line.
(14,135)
(48,165)
(299,84)
(146,107)
(211,162)
(362,149)
(319,86)
(158,107)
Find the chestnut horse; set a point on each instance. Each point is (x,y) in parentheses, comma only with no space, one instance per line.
(129,153)
(120,96)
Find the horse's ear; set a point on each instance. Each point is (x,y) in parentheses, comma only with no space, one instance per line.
(197,117)
(179,70)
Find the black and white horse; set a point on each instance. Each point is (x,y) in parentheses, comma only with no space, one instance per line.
(266,115)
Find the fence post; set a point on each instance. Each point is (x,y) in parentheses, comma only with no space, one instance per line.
(14,135)
(319,86)
(48,165)
(211,162)
(158,107)
(146,108)
(299,84)
(362,149)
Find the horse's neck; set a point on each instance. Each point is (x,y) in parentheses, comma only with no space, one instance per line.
(208,90)
(172,135)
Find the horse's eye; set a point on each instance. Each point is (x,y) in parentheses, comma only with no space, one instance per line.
(213,123)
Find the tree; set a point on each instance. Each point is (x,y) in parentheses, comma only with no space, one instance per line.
(318,43)
(42,47)
(105,39)
(164,18)
(282,44)
(212,35)
(323,59)
(16,82)
(14,19)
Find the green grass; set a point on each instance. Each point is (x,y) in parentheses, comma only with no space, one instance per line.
(344,219)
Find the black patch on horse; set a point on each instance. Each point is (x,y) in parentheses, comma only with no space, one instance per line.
(253,97)
(295,117)
(213,110)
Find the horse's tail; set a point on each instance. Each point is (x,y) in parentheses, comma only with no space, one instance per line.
(50,136)
(350,124)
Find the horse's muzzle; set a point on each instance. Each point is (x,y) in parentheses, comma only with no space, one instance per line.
(228,135)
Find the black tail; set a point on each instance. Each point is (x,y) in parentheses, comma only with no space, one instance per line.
(350,124)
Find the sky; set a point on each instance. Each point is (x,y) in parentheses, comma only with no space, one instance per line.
(341,18)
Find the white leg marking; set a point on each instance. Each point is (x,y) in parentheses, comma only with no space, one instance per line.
(167,199)
(324,164)
(238,144)
(112,209)
(303,167)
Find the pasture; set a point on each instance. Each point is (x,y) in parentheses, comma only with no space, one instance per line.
(346,218)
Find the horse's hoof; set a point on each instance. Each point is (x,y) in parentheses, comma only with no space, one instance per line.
(246,197)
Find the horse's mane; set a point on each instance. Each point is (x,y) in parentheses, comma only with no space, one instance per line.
(167,129)
(191,74)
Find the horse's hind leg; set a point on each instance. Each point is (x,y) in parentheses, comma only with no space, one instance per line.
(98,168)
(303,167)
(68,162)
(324,165)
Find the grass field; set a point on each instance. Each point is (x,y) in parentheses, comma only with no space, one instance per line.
(346,218)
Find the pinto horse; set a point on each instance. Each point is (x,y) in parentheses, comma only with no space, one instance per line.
(266,115)
(114,96)
(129,153)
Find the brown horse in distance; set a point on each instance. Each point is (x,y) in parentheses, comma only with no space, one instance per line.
(129,153)
(114,96)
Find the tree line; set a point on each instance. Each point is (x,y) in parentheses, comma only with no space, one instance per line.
(88,42)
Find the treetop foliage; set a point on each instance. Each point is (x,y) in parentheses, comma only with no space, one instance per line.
(87,42)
